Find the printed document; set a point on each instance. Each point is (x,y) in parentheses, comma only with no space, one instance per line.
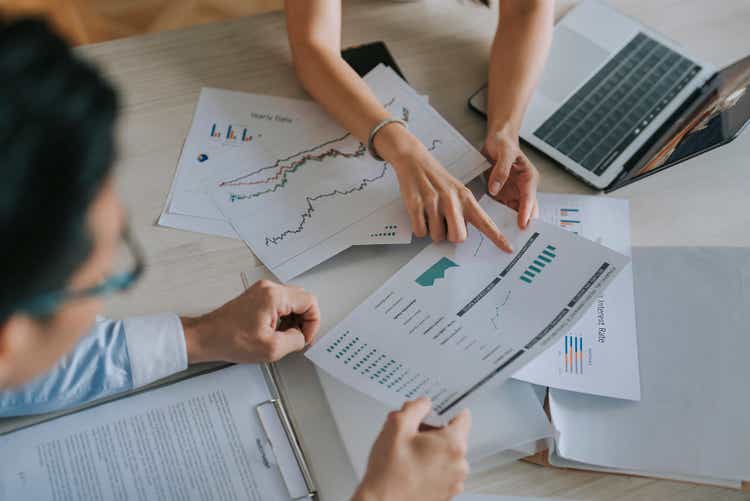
(457,316)
(288,202)
(201,438)
(599,355)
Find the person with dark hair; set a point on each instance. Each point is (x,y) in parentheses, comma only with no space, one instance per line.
(438,204)
(67,246)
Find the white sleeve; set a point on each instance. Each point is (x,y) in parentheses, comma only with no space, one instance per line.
(156,347)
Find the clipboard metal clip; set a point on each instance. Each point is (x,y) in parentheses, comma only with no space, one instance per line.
(279,405)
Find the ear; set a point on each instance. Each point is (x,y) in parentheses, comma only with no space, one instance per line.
(19,335)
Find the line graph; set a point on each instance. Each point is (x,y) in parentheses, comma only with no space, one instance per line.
(284,167)
(302,191)
(496,318)
(278,164)
(284,170)
(307,214)
(311,208)
(479,245)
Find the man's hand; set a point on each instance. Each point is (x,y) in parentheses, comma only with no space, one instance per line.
(513,179)
(407,464)
(263,324)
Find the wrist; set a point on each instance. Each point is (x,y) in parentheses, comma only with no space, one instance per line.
(394,143)
(365,493)
(195,343)
(502,132)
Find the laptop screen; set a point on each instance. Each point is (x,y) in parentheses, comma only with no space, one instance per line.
(720,115)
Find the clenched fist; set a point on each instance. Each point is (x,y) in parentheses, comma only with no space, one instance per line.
(263,324)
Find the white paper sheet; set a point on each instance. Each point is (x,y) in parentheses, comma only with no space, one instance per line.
(693,317)
(288,206)
(263,121)
(196,439)
(340,286)
(556,460)
(489,497)
(504,417)
(599,355)
(374,230)
(457,316)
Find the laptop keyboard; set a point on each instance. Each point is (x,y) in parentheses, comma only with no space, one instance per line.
(609,111)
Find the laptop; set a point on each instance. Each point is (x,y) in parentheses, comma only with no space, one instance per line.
(618,102)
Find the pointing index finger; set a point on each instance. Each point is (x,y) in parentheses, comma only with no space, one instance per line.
(479,218)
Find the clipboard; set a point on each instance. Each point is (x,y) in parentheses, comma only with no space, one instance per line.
(277,418)
(279,403)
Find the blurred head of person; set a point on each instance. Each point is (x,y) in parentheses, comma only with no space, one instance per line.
(61,223)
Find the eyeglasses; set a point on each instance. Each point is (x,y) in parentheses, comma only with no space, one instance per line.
(130,264)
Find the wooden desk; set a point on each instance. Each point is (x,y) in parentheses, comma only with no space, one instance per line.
(442,46)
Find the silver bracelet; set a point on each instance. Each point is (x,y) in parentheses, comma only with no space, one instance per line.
(375,130)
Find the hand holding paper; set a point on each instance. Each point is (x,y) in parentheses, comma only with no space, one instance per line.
(457,316)
(409,463)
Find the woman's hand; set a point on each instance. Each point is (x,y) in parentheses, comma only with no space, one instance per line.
(438,203)
(513,179)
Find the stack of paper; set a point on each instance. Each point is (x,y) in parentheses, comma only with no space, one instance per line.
(295,186)
(458,316)
(691,423)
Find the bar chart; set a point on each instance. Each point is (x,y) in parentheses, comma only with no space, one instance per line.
(538,264)
(573,355)
(570,219)
(229,134)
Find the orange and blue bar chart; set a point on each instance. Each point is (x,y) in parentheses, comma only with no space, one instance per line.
(573,355)
(570,219)
(231,134)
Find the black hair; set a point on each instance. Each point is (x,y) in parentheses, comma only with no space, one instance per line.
(57,116)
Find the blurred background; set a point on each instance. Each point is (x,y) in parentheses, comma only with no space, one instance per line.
(91,21)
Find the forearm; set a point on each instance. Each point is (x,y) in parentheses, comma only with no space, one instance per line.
(519,51)
(98,367)
(116,356)
(314,28)
(338,88)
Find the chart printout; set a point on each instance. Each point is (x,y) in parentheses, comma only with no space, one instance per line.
(323,180)
(599,355)
(457,316)
(231,129)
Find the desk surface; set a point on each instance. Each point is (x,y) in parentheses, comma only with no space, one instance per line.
(442,46)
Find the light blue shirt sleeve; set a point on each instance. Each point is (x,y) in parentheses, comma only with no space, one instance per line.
(115,356)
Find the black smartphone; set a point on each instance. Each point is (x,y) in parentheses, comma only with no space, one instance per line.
(364,58)
(478,101)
